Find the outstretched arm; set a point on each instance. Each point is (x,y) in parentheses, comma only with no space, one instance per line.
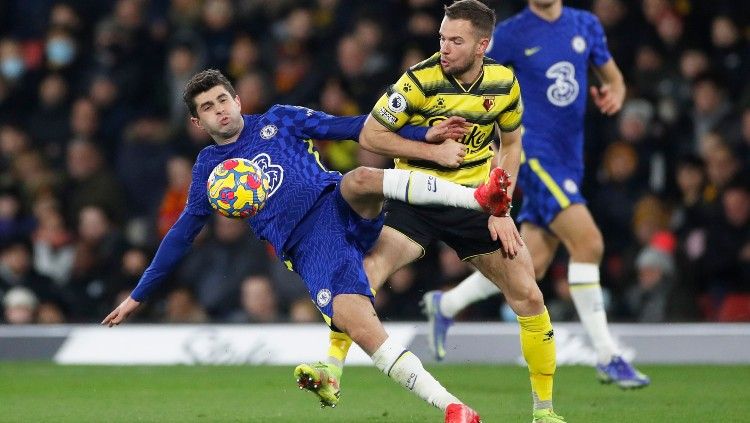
(174,246)
(319,125)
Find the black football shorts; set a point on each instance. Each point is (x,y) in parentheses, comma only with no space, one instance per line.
(461,229)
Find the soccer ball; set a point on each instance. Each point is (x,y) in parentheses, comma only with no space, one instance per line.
(238,188)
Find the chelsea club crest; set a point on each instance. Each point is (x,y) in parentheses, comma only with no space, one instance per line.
(323,298)
(268,131)
(579,44)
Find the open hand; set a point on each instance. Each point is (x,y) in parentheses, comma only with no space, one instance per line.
(121,313)
(454,128)
(504,230)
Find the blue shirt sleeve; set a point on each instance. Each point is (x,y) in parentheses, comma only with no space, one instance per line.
(322,126)
(501,46)
(598,40)
(411,132)
(173,247)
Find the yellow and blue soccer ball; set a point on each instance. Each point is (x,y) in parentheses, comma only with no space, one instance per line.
(238,188)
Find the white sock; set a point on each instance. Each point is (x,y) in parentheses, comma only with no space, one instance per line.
(587,297)
(424,190)
(406,369)
(472,289)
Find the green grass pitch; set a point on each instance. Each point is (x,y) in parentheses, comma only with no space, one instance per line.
(43,392)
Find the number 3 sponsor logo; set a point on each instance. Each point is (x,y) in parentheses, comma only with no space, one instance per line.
(564,90)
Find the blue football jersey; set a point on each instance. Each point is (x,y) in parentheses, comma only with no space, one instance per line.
(551,62)
(280,142)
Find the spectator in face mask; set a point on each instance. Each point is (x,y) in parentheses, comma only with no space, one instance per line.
(12,66)
(62,55)
(60,49)
(15,78)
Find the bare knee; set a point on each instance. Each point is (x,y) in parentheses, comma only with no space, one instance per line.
(578,231)
(535,300)
(519,286)
(526,300)
(588,248)
(525,297)
(364,181)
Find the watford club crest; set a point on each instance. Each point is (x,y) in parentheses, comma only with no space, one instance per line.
(488,103)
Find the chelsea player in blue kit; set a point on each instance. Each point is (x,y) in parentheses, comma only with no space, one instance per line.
(550,47)
(320,221)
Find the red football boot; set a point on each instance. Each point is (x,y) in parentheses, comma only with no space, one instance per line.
(493,195)
(461,413)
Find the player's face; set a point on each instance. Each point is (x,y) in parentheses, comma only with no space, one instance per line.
(218,113)
(460,46)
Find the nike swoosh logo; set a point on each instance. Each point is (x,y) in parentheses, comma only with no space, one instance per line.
(530,51)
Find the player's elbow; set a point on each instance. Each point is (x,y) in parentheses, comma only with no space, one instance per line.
(366,140)
(372,141)
(372,135)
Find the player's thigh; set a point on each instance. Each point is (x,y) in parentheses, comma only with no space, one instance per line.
(392,251)
(579,233)
(515,277)
(362,188)
(355,315)
(542,246)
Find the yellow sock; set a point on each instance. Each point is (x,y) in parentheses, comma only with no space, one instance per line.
(338,348)
(538,346)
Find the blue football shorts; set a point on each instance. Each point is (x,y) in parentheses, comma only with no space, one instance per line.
(547,190)
(329,254)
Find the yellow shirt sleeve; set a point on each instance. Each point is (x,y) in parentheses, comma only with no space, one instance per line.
(510,118)
(400,101)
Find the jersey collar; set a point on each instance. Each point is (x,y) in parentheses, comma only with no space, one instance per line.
(472,88)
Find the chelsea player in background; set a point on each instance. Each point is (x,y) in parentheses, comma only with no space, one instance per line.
(550,47)
(320,221)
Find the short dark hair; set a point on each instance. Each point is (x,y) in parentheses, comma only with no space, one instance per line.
(202,82)
(712,77)
(692,161)
(474,11)
(740,181)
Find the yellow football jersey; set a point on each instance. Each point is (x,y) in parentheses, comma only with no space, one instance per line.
(424,95)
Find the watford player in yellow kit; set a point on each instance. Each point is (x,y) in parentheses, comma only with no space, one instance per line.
(457,81)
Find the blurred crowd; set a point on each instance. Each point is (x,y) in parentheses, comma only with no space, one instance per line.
(96,153)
